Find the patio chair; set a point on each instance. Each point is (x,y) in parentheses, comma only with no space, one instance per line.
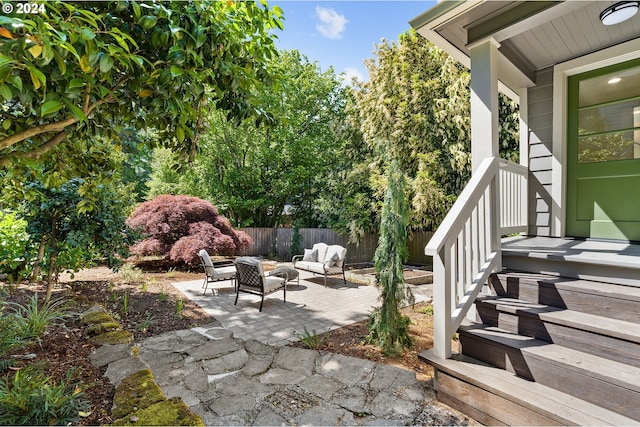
(215,274)
(251,279)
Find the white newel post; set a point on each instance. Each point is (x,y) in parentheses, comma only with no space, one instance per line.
(442,309)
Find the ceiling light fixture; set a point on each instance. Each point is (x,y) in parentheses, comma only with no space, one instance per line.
(619,12)
(614,80)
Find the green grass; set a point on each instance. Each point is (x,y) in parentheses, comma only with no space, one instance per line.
(147,322)
(163,296)
(131,274)
(311,339)
(428,310)
(179,306)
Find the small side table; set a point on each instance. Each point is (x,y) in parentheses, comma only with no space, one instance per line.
(287,273)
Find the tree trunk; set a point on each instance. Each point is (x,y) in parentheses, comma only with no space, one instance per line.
(36,267)
(50,275)
(54,255)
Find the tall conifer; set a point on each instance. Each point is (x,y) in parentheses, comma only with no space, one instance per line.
(388,328)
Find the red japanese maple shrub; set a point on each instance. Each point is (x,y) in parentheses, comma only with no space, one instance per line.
(178,227)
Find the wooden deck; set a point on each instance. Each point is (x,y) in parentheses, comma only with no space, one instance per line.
(601,261)
(557,343)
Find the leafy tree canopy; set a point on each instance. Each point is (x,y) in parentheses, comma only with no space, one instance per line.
(251,173)
(82,69)
(416,107)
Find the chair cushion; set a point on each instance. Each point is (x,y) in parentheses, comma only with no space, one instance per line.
(330,261)
(251,261)
(310,255)
(334,270)
(272,283)
(316,267)
(335,255)
(204,256)
(224,272)
(322,251)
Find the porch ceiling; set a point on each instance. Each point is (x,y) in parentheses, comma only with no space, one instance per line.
(533,35)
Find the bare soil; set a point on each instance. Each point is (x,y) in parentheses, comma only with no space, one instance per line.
(153,306)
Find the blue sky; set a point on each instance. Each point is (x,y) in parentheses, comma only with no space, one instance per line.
(342,34)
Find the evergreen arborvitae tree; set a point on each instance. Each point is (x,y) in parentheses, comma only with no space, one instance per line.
(388,328)
(296,242)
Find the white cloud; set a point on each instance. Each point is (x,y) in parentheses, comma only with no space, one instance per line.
(331,24)
(350,73)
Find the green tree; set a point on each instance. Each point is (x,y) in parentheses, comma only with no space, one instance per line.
(250,172)
(69,237)
(388,328)
(352,206)
(82,69)
(418,102)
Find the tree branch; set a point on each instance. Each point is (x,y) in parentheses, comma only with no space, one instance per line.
(50,127)
(35,131)
(37,152)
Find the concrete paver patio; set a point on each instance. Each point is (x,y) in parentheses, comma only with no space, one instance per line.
(310,305)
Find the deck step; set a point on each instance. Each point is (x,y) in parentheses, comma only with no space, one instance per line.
(493,396)
(610,338)
(610,384)
(604,299)
(598,265)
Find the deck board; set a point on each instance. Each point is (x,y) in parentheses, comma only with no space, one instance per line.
(553,404)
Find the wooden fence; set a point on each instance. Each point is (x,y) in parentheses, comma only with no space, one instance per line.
(277,242)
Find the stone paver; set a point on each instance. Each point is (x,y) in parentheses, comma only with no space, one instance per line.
(238,370)
(260,384)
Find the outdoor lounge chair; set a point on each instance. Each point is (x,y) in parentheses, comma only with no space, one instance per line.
(215,274)
(251,279)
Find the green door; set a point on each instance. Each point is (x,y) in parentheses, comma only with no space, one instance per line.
(603,153)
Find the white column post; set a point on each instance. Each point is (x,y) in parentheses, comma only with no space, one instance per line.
(523,107)
(484,101)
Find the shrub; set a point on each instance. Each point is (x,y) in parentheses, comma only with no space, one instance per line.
(177,227)
(29,397)
(22,324)
(13,245)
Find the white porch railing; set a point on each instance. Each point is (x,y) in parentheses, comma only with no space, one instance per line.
(466,246)
(513,197)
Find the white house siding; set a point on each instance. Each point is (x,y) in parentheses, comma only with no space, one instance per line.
(540,103)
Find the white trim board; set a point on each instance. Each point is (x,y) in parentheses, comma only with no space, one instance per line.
(561,72)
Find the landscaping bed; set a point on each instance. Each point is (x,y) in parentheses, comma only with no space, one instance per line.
(154,306)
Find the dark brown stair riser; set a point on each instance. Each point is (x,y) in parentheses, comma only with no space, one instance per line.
(554,375)
(611,348)
(500,356)
(547,293)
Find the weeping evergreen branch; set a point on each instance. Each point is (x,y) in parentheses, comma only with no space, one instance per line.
(388,328)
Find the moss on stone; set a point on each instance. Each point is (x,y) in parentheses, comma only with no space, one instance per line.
(114,337)
(96,317)
(172,412)
(135,392)
(101,328)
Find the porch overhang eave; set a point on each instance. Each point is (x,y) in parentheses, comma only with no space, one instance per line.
(427,24)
